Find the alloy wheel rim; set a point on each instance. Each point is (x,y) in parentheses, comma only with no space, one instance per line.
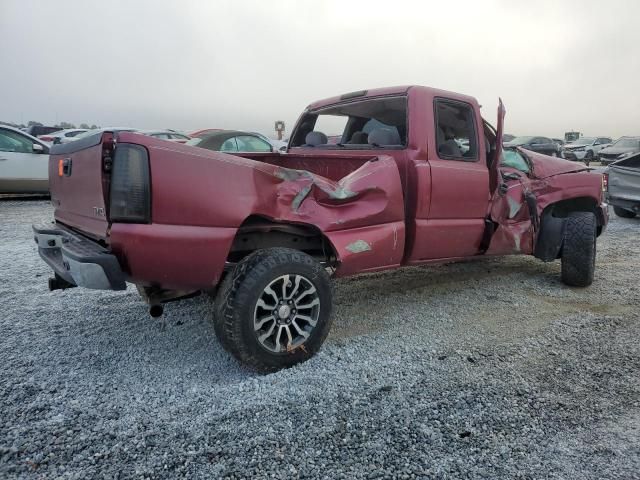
(286,313)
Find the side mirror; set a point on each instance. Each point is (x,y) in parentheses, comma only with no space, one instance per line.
(37,148)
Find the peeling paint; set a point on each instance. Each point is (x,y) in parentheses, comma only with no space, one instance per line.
(358,246)
(514,207)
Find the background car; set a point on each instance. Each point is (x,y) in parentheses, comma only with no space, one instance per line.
(585,148)
(623,186)
(95,131)
(62,136)
(36,130)
(231,141)
(278,145)
(542,145)
(623,147)
(167,135)
(24,162)
(197,133)
(559,141)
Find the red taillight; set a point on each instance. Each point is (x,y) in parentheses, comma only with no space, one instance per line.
(46,138)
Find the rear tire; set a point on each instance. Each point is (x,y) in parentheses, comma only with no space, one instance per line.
(624,213)
(274,309)
(579,249)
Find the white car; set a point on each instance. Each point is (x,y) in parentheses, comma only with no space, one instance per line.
(24,162)
(62,136)
(585,148)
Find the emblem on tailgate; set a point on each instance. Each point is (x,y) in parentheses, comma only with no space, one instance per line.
(99,211)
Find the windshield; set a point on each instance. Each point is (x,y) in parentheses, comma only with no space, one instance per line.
(584,141)
(627,143)
(513,159)
(521,140)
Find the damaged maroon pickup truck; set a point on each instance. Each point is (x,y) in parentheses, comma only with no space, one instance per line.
(417,177)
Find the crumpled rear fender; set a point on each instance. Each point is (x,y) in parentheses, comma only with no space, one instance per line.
(362,214)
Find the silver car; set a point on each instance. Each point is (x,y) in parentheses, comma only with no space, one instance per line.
(24,162)
(585,149)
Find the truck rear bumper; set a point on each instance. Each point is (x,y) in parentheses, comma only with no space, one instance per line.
(78,260)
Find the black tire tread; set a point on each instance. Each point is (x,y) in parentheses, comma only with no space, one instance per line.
(578,250)
(227,325)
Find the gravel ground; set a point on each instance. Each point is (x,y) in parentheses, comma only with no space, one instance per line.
(488,369)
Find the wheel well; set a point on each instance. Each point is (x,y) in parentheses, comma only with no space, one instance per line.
(552,224)
(258,232)
(563,208)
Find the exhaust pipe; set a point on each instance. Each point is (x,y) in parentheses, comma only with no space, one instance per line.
(156,310)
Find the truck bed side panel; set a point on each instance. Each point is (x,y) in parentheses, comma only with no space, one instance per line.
(172,256)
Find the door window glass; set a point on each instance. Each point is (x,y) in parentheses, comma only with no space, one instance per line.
(456,137)
(229,145)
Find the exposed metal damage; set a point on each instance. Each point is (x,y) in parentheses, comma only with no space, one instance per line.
(358,246)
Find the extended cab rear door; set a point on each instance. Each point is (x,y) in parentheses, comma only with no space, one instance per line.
(78,192)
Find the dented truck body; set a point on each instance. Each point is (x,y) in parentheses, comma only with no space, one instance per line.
(354,207)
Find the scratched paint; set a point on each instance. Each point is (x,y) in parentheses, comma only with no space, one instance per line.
(358,246)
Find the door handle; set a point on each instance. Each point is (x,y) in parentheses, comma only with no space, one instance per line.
(3,159)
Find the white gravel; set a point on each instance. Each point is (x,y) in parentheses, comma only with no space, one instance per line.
(488,369)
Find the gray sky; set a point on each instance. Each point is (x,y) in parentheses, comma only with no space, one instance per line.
(243,64)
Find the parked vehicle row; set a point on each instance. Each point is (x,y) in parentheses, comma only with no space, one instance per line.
(62,136)
(24,158)
(542,145)
(581,149)
(622,148)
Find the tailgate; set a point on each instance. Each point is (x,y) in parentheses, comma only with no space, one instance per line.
(624,179)
(78,192)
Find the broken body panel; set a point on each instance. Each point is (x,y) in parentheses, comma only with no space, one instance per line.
(376,208)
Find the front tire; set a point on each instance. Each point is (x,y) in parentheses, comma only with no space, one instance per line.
(579,249)
(624,213)
(275,310)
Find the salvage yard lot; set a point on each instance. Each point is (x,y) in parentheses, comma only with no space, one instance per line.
(488,368)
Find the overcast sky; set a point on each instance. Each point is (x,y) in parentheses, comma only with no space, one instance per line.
(243,64)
